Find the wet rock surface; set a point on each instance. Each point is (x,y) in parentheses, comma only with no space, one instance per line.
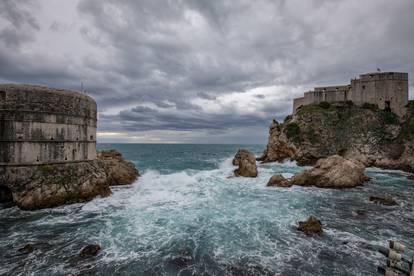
(386,200)
(279,181)
(246,162)
(311,226)
(90,250)
(28,248)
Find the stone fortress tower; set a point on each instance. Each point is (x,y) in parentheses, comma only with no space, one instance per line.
(48,147)
(385,89)
(39,125)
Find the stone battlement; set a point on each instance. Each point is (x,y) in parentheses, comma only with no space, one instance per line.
(385,89)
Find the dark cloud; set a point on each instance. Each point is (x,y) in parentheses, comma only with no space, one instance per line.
(201,65)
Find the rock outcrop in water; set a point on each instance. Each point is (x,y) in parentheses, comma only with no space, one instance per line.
(56,184)
(90,250)
(279,181)
(118,170)
(366,133)
(387,200)
(332,172)
(311,226)
(246,162)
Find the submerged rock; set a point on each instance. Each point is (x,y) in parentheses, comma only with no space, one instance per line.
(90,250)
(118,170)
(332,172)
(387,200)
(311,226)
(246,162)
(28,248)
(279,181)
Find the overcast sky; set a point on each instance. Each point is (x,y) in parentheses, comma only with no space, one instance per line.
(200,71)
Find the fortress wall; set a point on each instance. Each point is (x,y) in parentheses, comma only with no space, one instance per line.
(40,125)
(384,89)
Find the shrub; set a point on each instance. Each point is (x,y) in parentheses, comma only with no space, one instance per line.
(324,105)
(388,117)
(370,106)
(292,131)
(349,103)
(288,118)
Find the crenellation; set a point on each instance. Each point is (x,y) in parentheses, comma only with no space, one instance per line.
(385,89)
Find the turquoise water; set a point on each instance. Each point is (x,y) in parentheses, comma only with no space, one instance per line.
(187,215)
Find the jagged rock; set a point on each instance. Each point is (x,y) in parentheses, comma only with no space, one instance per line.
(387,200)
(311,226)
(332,172)
(246,162)
(119,171)
(278,147)
(28,248)
(90,250)
(279,181)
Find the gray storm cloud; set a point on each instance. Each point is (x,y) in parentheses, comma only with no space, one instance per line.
(218,68)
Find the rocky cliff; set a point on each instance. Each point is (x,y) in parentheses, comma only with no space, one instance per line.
(373,136)
(43,186)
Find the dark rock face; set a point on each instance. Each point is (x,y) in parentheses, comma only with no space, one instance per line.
(90,250)
(374,137)
(5,195)
(311,226)
(28,248)
(44,186)
(332,172)
(119,171)
(387,200)
(279,181)
(246,162)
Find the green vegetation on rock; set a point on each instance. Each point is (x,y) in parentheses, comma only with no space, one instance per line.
(46,169)
(293,131)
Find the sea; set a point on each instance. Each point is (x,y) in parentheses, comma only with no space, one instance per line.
(188,215)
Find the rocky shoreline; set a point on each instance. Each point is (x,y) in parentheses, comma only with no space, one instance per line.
(44,186)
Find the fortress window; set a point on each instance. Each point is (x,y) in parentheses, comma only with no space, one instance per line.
(363,87)
(91,137)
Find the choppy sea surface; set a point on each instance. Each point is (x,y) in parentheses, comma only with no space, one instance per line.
(188,215)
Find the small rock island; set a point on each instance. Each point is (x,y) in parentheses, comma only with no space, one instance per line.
(48,151)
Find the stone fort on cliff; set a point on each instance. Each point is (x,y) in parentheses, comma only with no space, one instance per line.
(388,90)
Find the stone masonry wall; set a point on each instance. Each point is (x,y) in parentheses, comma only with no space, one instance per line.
(40,125)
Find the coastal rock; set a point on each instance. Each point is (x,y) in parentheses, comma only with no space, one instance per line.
(311,226)
(28,248)
(387,200)
(50,185)
(278,147)
(45,186)
(332,172)
(90,250)
(118,170)
(365,133)
(279,181)
(246,162)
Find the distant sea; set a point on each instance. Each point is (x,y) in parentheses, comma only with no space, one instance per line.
(188,215)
